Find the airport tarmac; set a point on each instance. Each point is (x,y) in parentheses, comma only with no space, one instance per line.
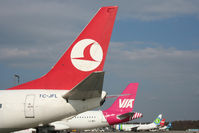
(158,132)
(145,132)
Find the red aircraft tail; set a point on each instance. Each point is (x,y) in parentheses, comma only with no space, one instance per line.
(86,55)
(162,122)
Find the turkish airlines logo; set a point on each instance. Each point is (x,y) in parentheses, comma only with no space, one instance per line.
(126,103)
(86,55)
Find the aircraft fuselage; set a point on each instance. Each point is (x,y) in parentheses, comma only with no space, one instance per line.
(21,109)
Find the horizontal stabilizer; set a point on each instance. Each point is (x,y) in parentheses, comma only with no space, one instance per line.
(137,115)
(90,87)
(125,115)
(59,125)
(116,96)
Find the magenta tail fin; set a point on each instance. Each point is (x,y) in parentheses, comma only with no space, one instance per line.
(125,103)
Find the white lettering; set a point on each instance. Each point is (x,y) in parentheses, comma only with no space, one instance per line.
(126,103)
(121,103)
(130,103)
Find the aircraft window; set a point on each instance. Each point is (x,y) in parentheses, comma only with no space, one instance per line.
(0,106)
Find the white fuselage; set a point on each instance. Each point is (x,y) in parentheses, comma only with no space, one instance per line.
(21,109)
(138,127)
(86,120)
(143,127)
(125,127)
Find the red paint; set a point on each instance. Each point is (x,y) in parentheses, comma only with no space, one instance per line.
(64,76)
(162,122)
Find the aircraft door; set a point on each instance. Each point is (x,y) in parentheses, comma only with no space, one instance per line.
(29,106)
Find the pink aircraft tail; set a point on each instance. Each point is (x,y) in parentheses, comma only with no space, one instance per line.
(86,55)
(125,102)
(121,109)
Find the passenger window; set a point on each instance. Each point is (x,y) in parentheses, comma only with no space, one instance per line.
(0,106)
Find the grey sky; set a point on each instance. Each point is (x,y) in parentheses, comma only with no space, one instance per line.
(154,43)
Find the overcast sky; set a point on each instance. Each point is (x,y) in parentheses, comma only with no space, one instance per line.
(154,42)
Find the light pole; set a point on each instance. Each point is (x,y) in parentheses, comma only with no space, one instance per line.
(17,77)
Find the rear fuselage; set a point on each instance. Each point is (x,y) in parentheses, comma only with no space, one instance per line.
(146,127)
(88,120)
(22,109)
